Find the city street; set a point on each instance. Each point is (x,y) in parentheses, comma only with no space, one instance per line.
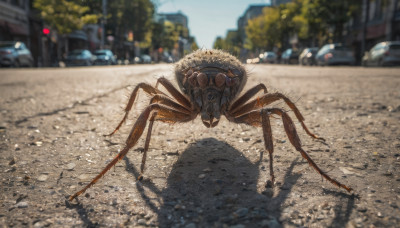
(53,122)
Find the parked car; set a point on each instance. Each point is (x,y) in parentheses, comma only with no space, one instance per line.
(383,54)
(269,57)
(15,54)
(307,56)
(80,58)
(104,57)
(290,56)
(335,54)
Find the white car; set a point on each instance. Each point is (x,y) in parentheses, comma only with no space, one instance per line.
(383,54)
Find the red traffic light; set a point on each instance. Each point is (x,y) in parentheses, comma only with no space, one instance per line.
(46,31)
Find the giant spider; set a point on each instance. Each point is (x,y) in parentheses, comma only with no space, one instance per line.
(210,81)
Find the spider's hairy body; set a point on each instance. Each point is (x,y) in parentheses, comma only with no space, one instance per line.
(210,84)
(211,79)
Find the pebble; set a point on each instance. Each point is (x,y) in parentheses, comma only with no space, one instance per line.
(70,166)
(268,192)
(12,162)
(201,176)
(42,177)
(347,171)
(142,221)
(362,209)
(83,177)
(22,204)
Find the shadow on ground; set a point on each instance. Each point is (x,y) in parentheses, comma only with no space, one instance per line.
(213,184)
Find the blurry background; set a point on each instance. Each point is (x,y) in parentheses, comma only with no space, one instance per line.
(45,33)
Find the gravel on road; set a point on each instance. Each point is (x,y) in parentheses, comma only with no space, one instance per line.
(53,123)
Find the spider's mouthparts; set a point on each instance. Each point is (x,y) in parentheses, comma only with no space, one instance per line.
(210,122)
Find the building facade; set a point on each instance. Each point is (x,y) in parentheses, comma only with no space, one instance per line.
(376,21)
(14,20)
(251,12)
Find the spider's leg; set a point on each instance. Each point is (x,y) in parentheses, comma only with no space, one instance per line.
(146,145)
(161,99)
(146,88)
(174,92)
(258,118)
(247,96)
(295,141)
(269,98)
(154,91)
(164,114)
(267,133)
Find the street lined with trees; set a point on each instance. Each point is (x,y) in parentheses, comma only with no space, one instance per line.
(305,22)
(128,27)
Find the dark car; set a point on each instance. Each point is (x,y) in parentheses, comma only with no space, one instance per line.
(80,58)
(335,54)
(290,56)
(383,54)
(16,54)
(104,57)
(307,56)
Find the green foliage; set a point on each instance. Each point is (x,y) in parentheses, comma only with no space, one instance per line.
(265,31)
(65,16)
(232,42)
(316,20)
(131,15)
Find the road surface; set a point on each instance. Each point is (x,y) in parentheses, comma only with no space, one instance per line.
(53,121)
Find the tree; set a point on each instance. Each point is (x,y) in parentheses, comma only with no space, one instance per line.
(231,43)
(318,21)
(64,16)
(131,15)
(325,19)
(264,32)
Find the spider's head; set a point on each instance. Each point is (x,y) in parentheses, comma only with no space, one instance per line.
(211,79)
(210,88)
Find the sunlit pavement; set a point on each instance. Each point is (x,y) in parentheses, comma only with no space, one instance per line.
(52,123)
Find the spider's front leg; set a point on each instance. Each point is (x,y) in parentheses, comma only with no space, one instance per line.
(182,100)
(154,112)
(261,118)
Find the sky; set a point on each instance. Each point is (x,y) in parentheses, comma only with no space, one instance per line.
(209,18)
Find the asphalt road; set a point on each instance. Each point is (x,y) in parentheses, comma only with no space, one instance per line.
(52,123)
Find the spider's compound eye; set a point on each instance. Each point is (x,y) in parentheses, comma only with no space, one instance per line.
(193,79)
(190,72)
(230,81)
(220,79)
(187,75)
(202,79)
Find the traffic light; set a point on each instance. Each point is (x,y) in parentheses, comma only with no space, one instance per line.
(46,31)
